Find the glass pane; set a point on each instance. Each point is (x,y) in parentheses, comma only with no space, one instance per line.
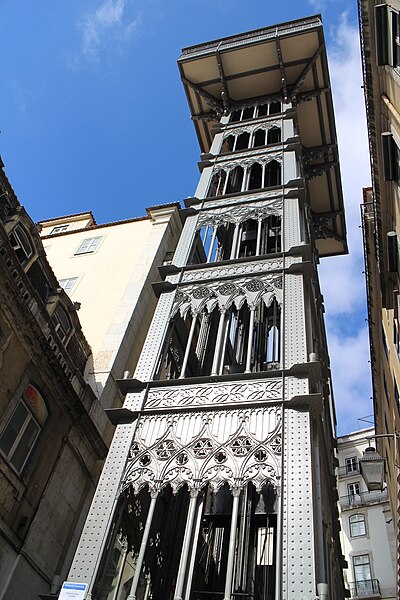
(88,245)
(265,545)
(68,284)
(24,241)
(357,525)
(64,321)
(25,445)
(14,426)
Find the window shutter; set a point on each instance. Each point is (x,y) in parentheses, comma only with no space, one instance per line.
(389,157)
(382,34)
(393,251)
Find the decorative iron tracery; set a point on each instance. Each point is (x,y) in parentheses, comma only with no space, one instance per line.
(240,213)
(249,452)
(266,125)
(265,288)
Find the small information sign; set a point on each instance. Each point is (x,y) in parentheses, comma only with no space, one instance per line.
(73,591)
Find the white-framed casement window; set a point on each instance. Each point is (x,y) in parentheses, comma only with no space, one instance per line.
(362,575)
(59,229)
(357,525)
(21,432)
(351,464)
(89,245)
(353,492)
(68,283)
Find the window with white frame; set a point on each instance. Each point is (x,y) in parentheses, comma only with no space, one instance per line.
(353,492)
(68,283)
(59,229)
(357,525)
(19,436)
(351,464)
(362,574)
(89,245)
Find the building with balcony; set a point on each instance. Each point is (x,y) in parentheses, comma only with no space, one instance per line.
(108,269)
(368,529)
(220,480)
(50,449)
(379,27)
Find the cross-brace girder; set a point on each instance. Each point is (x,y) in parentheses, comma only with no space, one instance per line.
(212,100)
(206,116)
(305,71)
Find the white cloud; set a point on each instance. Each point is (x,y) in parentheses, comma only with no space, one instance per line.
(21,96)
(351,378)
(317,4)
(109,24)
(342,279)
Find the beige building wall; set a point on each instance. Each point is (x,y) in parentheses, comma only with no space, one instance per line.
(111,278)
(379,28)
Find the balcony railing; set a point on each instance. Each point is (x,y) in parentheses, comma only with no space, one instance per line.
(368,588)
(348,470)
(353,501)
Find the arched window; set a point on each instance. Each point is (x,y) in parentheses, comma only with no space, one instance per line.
(272,174)
(235,180)
(235,116)
(21,243)
(262,110)
(255,179)
(242,141)
(274,135)
(217,184)
(357,525)
(62,323)
(275,108)
(248,113)
(19,436)
(228,144)
(259,138)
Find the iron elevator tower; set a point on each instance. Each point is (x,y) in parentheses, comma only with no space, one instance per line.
(220,479)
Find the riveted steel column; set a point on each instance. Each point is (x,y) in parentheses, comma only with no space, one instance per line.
(234,241)
(259,228)
(143,545)
(232,543)
(217,351)
(188,346)
(194,549)
(210,251)
(250,341)
(180,580)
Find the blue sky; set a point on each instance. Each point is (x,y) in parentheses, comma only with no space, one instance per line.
(93,117)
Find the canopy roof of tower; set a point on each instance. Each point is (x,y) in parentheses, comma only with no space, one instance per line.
(287,62)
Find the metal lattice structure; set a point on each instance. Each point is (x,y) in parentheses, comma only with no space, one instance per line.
(222,485)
